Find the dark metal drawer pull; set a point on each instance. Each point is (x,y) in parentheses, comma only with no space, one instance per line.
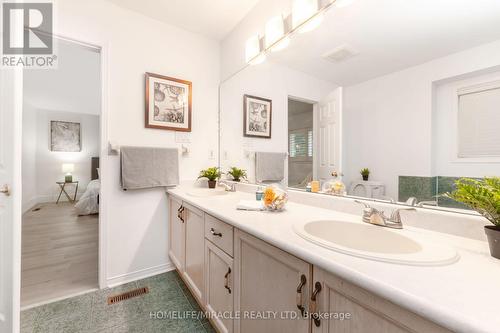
(212,231)
(300,305)
(181,210)
(313,305)
(226,280)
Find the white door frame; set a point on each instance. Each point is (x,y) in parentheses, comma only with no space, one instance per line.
(10,303)
(103,154)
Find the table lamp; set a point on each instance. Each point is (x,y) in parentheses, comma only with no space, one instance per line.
(68,168)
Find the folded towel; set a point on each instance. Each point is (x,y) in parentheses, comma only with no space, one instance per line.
(147,167)
(249,205)
(269,167)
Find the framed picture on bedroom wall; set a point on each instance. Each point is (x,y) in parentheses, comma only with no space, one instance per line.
(65,136)
(257,117)
(168,103)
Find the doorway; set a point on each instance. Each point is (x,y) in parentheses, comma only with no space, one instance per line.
(300,143)
(61,176)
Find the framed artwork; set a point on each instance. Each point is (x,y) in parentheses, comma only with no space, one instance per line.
(257,117)
(168,103)
(65,136)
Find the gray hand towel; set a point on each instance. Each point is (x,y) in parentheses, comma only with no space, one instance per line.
(147,167)
(269,167)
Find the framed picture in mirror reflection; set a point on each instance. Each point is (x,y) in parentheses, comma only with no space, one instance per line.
(257,117)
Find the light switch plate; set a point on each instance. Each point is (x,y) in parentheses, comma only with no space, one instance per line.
(182,137)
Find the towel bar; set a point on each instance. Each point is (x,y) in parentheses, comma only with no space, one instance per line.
(114,149)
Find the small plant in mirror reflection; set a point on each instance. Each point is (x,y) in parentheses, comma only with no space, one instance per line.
(481,195)
(237,173)
(365,173)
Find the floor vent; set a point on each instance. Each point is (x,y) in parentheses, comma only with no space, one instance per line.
(127,295)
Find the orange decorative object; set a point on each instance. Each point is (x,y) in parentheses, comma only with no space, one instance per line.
(269,196)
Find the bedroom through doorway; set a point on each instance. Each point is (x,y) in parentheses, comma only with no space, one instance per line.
(60,176)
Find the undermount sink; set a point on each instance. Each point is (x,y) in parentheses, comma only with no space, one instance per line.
(377,243)
(206,192)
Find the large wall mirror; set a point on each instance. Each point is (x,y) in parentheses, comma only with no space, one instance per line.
(410,92)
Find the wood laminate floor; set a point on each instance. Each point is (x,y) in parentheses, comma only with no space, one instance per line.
(59,253)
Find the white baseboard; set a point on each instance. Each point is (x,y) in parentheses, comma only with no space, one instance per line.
(29,204)
(49,198)
(52,300)
(138,275)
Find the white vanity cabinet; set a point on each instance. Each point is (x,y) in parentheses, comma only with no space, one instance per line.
(186,244)
(233,273)
(195,250)
(219,286)
(269,282)
(368,312)
(176,233)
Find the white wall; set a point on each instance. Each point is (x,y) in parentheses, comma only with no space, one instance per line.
(388,120)
(42,168)
(136,230)
(29,157)
(70,92)
(49,163)
(269,81)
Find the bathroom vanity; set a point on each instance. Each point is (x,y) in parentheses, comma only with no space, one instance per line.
(255,266)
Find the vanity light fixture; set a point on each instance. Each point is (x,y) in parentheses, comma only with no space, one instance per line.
(253,53)
(306,15)
(343,3)
(275,31)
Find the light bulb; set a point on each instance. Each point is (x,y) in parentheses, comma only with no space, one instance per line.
(302,10)
(343,3)
(252,48)
(275,30)
(258,59)
(311,24)
(280,45)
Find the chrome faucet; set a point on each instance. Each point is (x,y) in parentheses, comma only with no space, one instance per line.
(427,203)
(374,216)
(412,201)
(228,187)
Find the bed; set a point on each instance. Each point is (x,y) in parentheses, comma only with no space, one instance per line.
(89,201)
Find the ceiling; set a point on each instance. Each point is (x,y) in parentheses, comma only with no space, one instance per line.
(73,87)
(211,18)
(390,35)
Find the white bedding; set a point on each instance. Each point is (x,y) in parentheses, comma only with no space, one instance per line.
(88,203)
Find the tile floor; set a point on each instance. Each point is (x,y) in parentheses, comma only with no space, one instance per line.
(90,312)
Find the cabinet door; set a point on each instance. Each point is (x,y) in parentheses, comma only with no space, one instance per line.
(367,312)
(266,281)
(195,251)
(219,286)
(176,234)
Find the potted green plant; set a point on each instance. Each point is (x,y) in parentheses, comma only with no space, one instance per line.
(484,197)
(365,173)
(237,173)
(212,174)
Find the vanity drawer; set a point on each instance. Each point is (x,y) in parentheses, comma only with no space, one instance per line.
(219,233)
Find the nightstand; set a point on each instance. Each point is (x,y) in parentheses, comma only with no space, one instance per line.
(62,185)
